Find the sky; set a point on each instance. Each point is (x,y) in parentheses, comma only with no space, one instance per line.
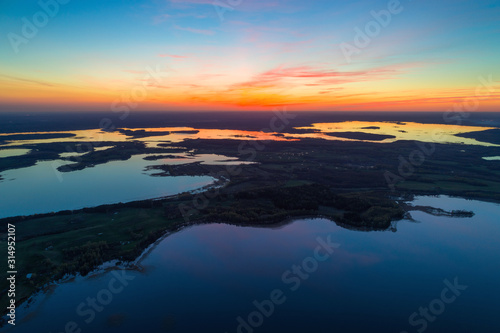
(368,55)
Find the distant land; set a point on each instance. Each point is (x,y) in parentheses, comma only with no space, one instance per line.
(490,136)
(15,122)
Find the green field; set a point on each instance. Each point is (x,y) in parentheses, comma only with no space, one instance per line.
(344,181)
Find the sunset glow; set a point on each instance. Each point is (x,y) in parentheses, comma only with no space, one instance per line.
(255,55)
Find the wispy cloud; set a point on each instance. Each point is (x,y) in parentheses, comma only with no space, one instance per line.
(199,2)
(42,83)
(314,76)
(196,31)
(246,5)
(172,56)
(132,71)
(161,18)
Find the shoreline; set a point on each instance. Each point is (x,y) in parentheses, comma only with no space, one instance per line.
(209,187)
(32,302)
(135,265)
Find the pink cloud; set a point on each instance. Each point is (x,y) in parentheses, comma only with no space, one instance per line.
(279,75)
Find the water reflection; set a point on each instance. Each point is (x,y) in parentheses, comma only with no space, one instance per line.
(43,189)
(13,152)
(203,278)
(401,131)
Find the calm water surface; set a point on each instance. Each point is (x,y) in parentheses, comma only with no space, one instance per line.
(13,152)
(203,278)
(43,189)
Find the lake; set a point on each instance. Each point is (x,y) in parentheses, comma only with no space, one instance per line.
(205,277)
(43,189)
(443,133)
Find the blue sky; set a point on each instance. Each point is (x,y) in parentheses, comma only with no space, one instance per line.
(262,54)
